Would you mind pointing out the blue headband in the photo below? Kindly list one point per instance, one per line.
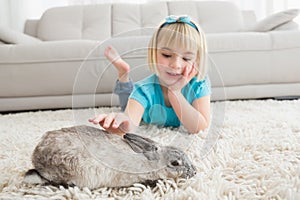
(182, 18)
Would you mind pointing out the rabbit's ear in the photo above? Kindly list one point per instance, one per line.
(143, 145)
(152, 155)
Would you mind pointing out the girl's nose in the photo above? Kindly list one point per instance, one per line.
(175, 62)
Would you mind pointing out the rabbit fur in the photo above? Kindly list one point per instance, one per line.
(90, 157)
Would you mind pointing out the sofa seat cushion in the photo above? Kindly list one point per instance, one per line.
(54, 51)
(10, 36)
(61, 68)
(285, 39)
(239, 41)
(47, 69)
(236, 59)
(285, 56)
(248, 58)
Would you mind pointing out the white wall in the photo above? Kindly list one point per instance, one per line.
(13, 13)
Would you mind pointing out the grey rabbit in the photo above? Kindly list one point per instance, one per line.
(90, 157)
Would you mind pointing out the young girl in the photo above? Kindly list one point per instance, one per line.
(178, 93)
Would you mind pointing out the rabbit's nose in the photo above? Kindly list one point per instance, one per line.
(192, 172)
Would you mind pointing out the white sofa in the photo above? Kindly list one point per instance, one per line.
(59, 63)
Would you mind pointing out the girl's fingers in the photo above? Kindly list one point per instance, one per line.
(193, 71)
(98, 119)
(108, 120)
(186, 71)
(120, 124)
(190, 72)
(116, 123)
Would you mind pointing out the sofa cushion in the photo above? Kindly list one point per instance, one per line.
(63, 67)
(31, 27)
(210, 14)
(290, 25)
(275, 20)
(101, 21)
(128, 19)
(76, 22)
(239, 41)
(9, 36)
(55, 51)
(285, 39)
(46, 69)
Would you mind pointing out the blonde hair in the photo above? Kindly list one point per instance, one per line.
(179, 33)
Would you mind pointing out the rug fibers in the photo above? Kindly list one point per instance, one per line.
(256, 154)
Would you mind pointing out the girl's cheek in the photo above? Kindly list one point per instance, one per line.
(162, 60)
(162, 63)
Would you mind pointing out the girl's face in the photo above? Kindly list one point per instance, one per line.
(171, 64)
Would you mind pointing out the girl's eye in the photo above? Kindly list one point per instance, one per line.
(187, 59)
(166, 55)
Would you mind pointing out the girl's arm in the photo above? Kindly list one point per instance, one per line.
(195, 117)
(121, 123)
(134, 110)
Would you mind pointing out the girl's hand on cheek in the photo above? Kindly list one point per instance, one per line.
(189, 72)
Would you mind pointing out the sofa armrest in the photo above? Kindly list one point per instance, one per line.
(10, 36)
(31, 26)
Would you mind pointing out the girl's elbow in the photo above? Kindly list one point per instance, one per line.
(199, 128)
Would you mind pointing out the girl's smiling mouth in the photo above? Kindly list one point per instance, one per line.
(174, 74)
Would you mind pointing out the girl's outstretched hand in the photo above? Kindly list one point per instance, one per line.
(118, 123)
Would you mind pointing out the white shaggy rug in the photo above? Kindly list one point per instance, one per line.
(256, 155)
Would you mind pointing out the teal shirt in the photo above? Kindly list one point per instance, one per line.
(149, 94)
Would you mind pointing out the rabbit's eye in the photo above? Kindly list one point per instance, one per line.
(175, 163)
